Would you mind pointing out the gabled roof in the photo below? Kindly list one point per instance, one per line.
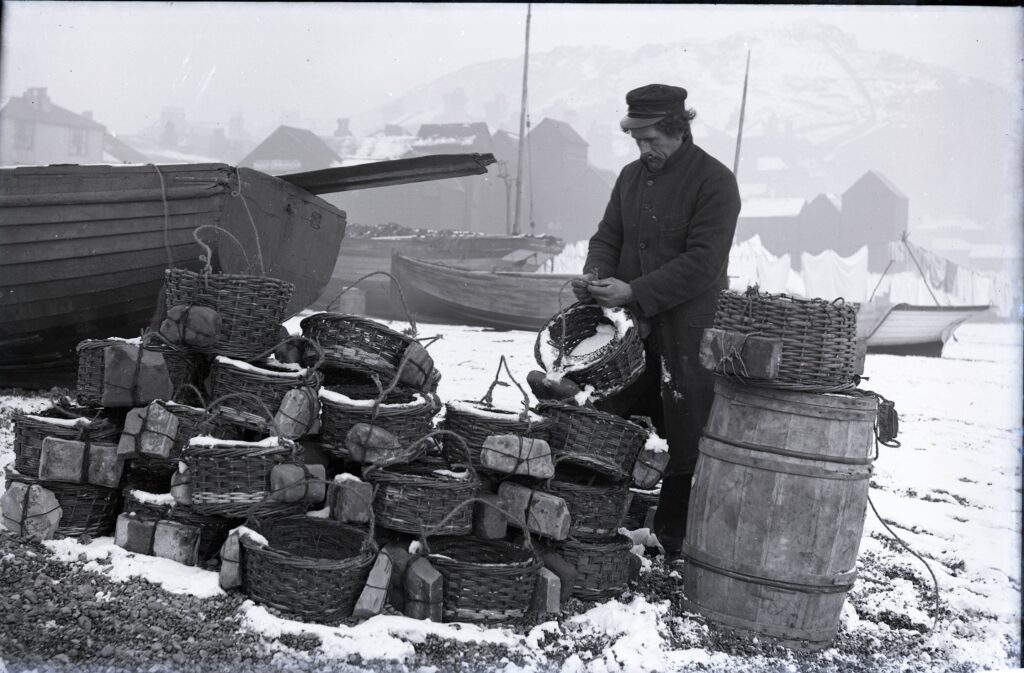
(44, 111)
(873, 175)
(562, 129)
(288, 142)
(771, 207)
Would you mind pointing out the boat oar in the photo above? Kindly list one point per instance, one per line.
(385, 173)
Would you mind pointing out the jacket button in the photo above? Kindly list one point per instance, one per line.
(647, 206)
(643, 246)
(650, 183)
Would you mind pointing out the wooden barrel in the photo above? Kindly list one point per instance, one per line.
(777, 511)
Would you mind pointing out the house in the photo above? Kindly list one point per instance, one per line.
(116, 151)
(35, 131)
(775, 220)
(874, 212)
(291, 150)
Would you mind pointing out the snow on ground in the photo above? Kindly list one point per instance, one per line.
(952, 492)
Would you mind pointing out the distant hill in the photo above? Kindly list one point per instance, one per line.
(829, 109)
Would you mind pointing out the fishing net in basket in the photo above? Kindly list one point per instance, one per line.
(594, 346)
(818, 338)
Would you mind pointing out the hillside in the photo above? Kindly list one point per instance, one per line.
(950, 142)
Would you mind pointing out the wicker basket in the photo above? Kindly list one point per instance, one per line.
(484, 580)
(187, 370)
(358, 344)
(818, 338)
(251, 308)
(597, 505)
(413, 498)
(232, 479)
(91, 366)
(638, 507)
(476, 421)
(595, 439)
(313, 568)
(250, 384)
(402, 412)
(85, 509)
(603, 569)
(213, 530)
(607, 369)
(31, 429)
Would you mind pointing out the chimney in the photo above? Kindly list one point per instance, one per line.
(38, 99)
(342, 131)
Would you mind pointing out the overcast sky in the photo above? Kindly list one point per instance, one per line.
(124, 61)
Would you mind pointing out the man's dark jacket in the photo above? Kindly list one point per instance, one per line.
(668, 234)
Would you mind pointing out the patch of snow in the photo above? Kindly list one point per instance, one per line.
(344, 400)
(249, 367)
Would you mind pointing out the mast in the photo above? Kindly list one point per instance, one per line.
(743, 107)
(522, 127)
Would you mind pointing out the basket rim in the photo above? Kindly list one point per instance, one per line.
(284, 556)
(270, 280)
(587, 412)
(330, 317)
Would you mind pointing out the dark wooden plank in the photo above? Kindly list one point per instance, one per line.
(395, 172)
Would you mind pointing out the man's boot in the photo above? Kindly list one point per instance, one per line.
(670, 517)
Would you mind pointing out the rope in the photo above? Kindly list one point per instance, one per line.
(163, 196)
(432, 530)
(401, 295)
(935, 581)
(487, 399)
(255, 231)
(207, 258)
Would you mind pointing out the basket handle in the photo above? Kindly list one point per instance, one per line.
(195, 391)
(369, 544)
(212, 411)
(432, 530)
(487, 399)
(207, 256)
(401, 295)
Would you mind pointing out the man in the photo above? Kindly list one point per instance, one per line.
(662, 250)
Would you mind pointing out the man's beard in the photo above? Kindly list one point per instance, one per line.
(653, 163)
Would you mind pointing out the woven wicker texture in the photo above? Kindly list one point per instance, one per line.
(594, 439)
(89, 385)
(408, 423)
(818, 338)
(642, 501)
(610, 368)
(476, 428)
(230, 481)
(131, 504)
(85, 509)
(251, 308)
(597, 505)
(314, 568)
(248, 386)
(484, 580)
(187, 370)
(603, 569)
(363, 345)
(29, 434)
(411, 497)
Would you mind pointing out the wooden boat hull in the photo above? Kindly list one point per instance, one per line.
(908, 329)
(362, 256)
(83, 249)
(502, 300)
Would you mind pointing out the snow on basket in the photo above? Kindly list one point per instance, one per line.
(403, 413)
(250, 384)
(593, 346)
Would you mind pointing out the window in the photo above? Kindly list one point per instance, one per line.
(24, 134)
(79, 143)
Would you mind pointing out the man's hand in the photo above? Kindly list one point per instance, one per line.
(580, 288)
(610, 292)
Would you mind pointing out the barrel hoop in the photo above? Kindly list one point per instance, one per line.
(861, 409)
(791, 637)
(806, 583)
(736, 455)
(764, 448)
